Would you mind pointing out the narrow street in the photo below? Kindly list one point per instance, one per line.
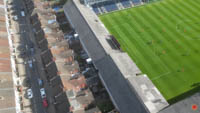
(32, 53)
(25, 31)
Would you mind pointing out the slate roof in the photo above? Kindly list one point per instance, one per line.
(184, 106)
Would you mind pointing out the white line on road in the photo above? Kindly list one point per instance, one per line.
(6, 88)
(7, 108)
(4, 58)
(2, 6)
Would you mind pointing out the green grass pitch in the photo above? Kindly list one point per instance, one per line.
(163, 39)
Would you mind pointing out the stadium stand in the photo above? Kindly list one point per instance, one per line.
(110, 6)
(100, 5)
(106, 6)
(125, 3)
(102, 9)
(136, 2)
(95, 9)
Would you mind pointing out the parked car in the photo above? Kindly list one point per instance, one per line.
(44, 102)
(89, 61)
(32, 51)
(42, 92)
(26, 82)
(29, 93)
(15, 18)
(30, 63)
(22, 13)
(40, 82)
(21, 55)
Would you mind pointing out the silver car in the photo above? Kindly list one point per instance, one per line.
(42, 92)
(29, 93)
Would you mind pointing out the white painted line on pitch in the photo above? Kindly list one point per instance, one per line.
(162, 75)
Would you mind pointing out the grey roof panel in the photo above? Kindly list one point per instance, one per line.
(125, 98)
(184, 106)
(88, 40)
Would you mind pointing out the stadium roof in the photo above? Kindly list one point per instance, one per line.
(124, 98)
(185, 106)
(122, 84)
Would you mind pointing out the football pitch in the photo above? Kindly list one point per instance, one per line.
(163, 39)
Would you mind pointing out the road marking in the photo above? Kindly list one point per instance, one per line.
(6, 88)
(4, 58)
(2, 6)
(7, 108)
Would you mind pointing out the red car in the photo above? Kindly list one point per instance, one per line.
(44, 102)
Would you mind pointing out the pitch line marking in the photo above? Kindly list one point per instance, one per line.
(160, 76)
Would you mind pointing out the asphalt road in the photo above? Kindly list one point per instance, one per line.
(32, 73)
